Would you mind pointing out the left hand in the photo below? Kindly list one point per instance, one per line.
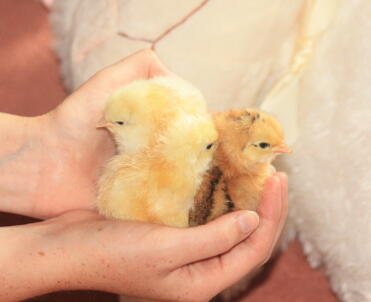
(58, 164)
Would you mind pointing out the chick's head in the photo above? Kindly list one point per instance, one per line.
(250, 137)
(139, 113)
(190, 142)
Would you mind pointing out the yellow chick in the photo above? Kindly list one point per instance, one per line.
(138, 113)
(248, 142)
(165, 140)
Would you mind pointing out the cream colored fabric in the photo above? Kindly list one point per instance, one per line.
(283, 98)
(123, 27)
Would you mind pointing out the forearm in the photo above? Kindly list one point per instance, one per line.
(29, 266)
(18, 170)
(74, 251)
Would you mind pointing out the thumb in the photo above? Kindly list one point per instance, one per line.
(216, 237)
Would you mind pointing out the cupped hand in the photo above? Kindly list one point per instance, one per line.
(71, 149)
(81, 250)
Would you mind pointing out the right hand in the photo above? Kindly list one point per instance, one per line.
(82, 250)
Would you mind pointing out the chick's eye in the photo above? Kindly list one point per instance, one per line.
(120, 123)
(264, 145)
(209, 146)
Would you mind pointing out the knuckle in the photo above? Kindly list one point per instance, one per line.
(198, 296)
(145, 55)
(187, 296)
(227, 239)
(103, 73)
(265, 258)
(198, 289)
(147, 52)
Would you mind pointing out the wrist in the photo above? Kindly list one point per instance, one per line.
(26, 269)
(35, 260)
(13, 132)
(20, 161)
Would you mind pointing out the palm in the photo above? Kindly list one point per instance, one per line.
(76, 148)
(72, 167)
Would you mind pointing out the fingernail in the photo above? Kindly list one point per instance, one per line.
(272, 169)
(248, 221)
(276, 177)
(282, 175)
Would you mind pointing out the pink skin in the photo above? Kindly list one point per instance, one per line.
(63, 150)
(47, 3)
(81, 250)
(49, 166)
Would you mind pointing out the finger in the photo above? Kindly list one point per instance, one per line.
(271, 212)
(284, 189)
(252, 252)
(143, 64)
(256, 249)
(284, 198)
(94, 93)
(75, 216)
(214, 238)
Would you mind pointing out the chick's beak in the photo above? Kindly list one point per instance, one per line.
(282, 148)
(104, 124)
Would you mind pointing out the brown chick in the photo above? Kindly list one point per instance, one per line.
(248, 142)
